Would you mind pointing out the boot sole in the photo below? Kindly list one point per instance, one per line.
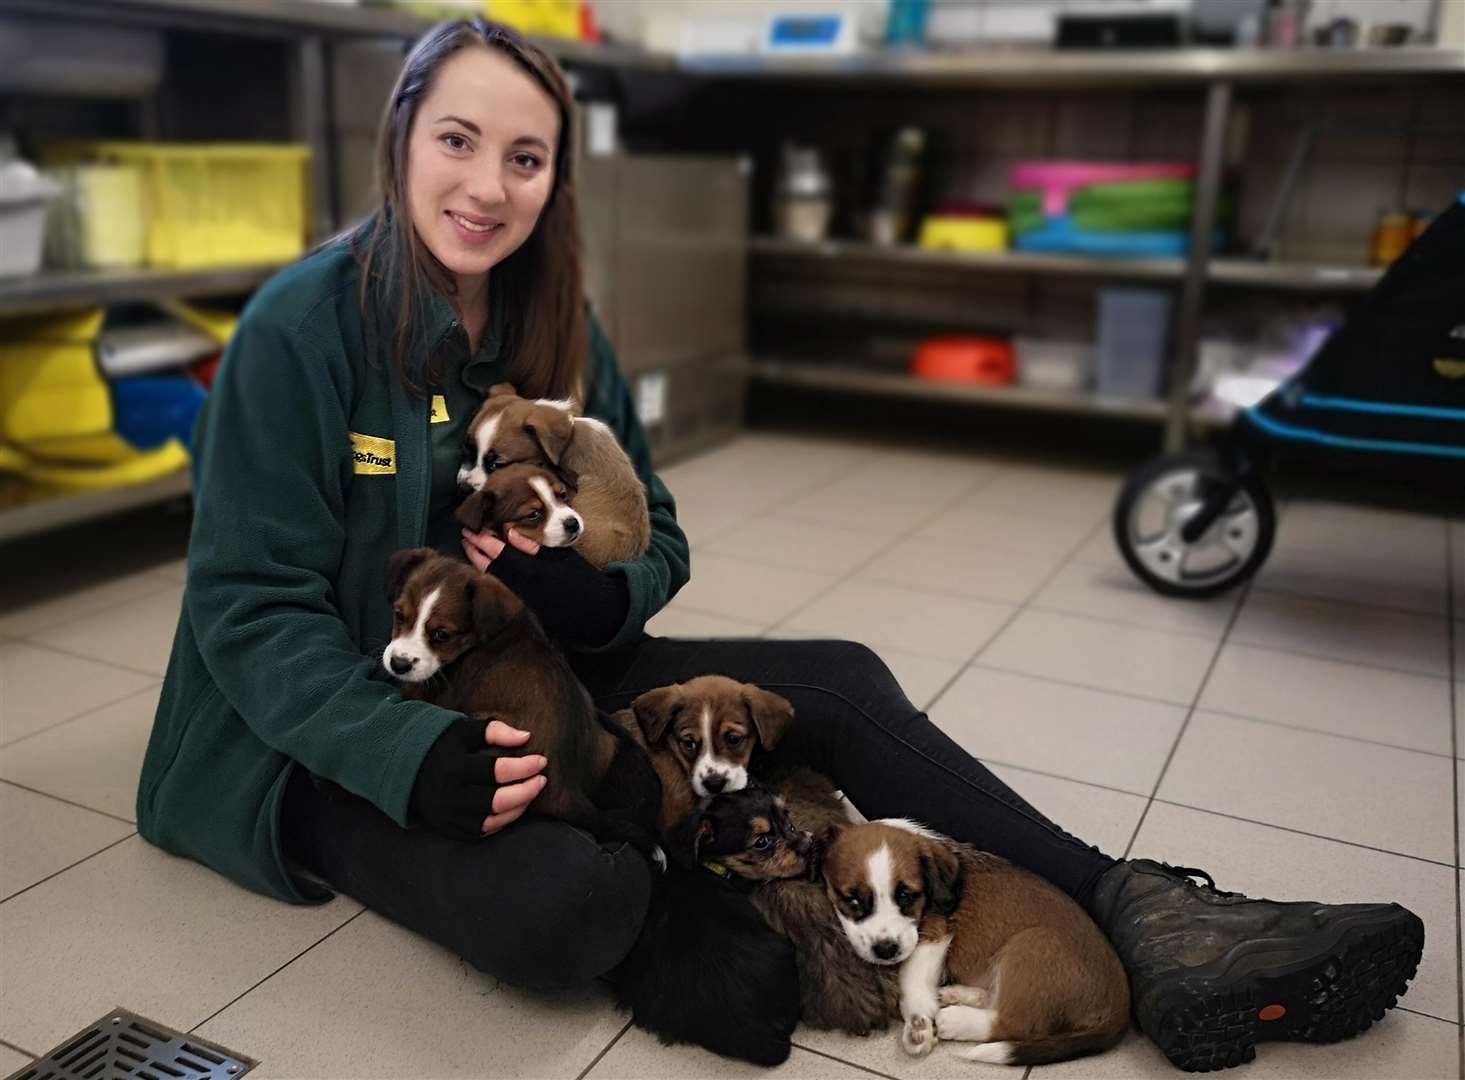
(1347, 977)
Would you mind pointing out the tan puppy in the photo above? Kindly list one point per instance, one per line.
(605, 490)
(1032, 978)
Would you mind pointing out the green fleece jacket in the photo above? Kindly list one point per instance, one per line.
(312, 465)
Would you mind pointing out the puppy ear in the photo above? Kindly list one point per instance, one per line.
(656, 709)
(551, 429)
(686, 837)
(476, 511)
(771, 715)
(401, 565)
(570, 477)
(944, 874)
(502, 389)
(492, 602)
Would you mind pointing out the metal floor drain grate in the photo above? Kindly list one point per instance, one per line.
(123, 1044)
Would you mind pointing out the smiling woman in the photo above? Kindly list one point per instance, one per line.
(475, 177)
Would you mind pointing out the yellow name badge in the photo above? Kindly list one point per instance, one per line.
(371, 456)
(439, 414)
(1450, 369)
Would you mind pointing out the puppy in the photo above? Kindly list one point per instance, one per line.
(464, 641)
(607, 493)
(701, 735)
(1033, 979)
(757, 836)
(707, 968)
(532, 500)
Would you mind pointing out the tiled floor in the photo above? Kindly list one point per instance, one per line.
(1299, 739)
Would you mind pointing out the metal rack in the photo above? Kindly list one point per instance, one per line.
(1218, 73)
(310, 28)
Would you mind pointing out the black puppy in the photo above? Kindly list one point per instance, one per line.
(706, 968)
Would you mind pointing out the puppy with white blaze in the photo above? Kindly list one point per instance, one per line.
(988, 952)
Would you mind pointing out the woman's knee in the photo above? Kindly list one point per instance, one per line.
(575, 911)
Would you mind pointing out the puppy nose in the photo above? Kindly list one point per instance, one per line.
(572, 526)
(885, 950)
(714, 782)
(401, 664)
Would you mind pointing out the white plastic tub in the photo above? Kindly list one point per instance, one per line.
(23, 197)
(1054, 365)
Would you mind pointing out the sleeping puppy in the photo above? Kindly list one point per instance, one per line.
(531, 500)
(701, 734)
(605, 490)
(464, 641)
(707, 968)
(757, 836)
(1032, 978)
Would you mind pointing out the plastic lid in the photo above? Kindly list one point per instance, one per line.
(20, 182)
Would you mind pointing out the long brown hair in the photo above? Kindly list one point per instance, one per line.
(539, 286)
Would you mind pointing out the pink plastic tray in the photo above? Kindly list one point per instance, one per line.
(1059, 179)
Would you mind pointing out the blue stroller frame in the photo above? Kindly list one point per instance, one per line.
(1389, 383)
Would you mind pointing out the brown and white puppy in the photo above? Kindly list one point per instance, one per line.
(701, 735)
(464, 641)
(532, 500)
(1032, 978)
(607, 493)
(764, 837)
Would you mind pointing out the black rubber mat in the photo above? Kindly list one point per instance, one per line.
(123, 1044)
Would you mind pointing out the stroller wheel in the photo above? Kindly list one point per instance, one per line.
(1158, 501)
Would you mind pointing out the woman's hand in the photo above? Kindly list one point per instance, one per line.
(520, 779)
(571, 597)
(483, 548)
(467, 786)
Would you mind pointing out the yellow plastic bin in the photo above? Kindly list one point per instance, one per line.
(213, 204)
(100, 220)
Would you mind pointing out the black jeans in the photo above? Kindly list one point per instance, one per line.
(541, 905)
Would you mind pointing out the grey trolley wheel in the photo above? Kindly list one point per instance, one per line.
(1158, 501)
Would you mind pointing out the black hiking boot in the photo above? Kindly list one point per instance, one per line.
(1213, 973)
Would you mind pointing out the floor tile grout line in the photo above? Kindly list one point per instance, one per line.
(1328, 734)
(1266, 645)
(843, 1061)
(973, 660)
(1427, 1015)
(33, 643)
(604, 1050)
(64, 869)
(79, 716)
(1393, 609)
(19, 1049)
(1452, 628)
(1219, 813)
(1195, 701)
(980, 665)
(314, 944)
(1132, 624)
(848, 576)
(90, 613)
(1189, 714)
(68, 802)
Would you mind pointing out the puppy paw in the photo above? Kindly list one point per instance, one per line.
(962, 1023)
(974, 996)
(919, 1036)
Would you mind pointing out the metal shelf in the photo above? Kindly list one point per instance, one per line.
(1037, 67)
(1234, 271)
(851, 379)
(275, 18)
(59, 290)
(39, 517)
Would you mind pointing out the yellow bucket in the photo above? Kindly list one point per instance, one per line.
(213, 204)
